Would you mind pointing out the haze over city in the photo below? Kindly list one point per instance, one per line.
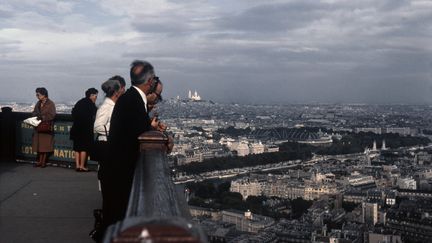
(230, 51)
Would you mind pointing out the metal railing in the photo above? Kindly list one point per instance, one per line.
(157, 211)
(16, 139)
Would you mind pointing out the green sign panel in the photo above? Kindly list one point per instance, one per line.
(62, 144)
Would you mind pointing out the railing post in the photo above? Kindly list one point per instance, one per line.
(7, 139)
(156, 212)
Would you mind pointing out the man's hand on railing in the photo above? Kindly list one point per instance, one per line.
(162, 127)
(154, 123)
(158, 125)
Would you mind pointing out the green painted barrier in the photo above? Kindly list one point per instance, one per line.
(62, 144)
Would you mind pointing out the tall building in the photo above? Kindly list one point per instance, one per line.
(369, 213)
(412, 220)
(247, 187)
(246, 221)
(194, 97)
(381, 238)
(407, 183)
(361, 182)
(257, 148)
(315, 191)
(383, 147)
(404, 131)
(376, 130)
(243, 149)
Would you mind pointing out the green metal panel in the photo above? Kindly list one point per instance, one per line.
(62, 144)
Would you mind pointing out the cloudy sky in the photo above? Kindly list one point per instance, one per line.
(247, 51)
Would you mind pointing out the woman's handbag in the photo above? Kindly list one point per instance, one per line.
(99, 150)
(45, 127)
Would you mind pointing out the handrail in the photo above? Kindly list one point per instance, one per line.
(16, 139)
(156, 211)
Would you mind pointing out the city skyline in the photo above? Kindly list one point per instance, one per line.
(262, 173)
(277, 52)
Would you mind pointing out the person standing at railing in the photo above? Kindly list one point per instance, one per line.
(113, 89)
(43, 142)
(154, 97)
(129, 120)
(81, 133)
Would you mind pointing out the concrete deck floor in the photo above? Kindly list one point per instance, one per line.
(51, 204)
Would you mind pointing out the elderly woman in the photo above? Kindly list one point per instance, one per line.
(81, 133)
(43, 143)
(113, 89)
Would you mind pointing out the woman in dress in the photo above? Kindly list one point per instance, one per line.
(113, 89)
(43, 143)
(81, 133)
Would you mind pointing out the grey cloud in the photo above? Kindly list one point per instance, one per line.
(276, 17)
(391, 5)
(165, 27)
(297, 51)
(171, 24)
(419, 26)
(30, 21)
(7, 47)
(41, 6)
(5, 14)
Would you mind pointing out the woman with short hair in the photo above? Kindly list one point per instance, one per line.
(113, 90)
(43, 142)
(81, 133)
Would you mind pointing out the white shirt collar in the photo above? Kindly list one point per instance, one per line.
(143, 96)
(109, 101)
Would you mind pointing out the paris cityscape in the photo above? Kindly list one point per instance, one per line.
(301, 172)
(303, 121)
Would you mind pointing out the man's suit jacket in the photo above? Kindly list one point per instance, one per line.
(129, 120)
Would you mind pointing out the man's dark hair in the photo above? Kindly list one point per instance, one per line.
(120, 79)
(90, 92)
(42, 91)
(141, 72)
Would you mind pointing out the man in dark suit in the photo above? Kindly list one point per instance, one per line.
(129, 120)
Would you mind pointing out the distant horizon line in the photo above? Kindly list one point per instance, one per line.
(254, 103)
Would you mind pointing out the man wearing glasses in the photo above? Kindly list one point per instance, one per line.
(153, 98)
(130, 118)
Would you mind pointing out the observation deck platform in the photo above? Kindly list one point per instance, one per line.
(51, 204)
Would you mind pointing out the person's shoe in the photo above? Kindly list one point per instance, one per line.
(37, 165)
(43, 166)
(84, 170)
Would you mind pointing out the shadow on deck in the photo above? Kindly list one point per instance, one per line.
(51, 204)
